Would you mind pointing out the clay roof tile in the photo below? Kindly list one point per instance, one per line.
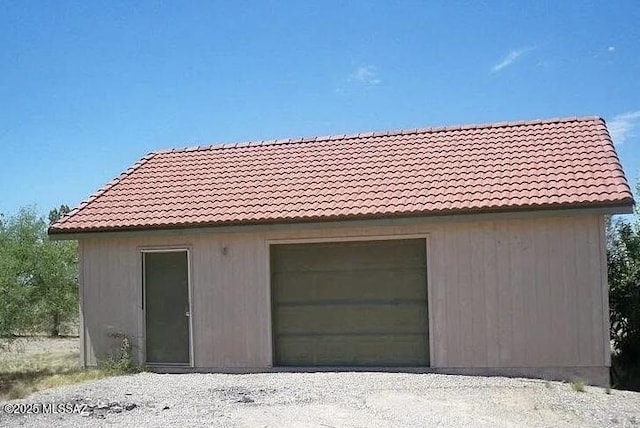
(538, 164)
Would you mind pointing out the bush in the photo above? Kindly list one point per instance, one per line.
(578, 385)
(623, 262)
(121, 361)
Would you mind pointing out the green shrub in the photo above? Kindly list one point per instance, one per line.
(121, 361)
(623, 262)
(578, 385)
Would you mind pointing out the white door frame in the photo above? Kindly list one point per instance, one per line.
(142, 296)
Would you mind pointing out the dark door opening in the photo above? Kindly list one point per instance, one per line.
(166, 307)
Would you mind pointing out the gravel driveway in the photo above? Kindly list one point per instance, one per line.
(329, 400)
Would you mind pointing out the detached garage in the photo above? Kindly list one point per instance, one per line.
(470, 249)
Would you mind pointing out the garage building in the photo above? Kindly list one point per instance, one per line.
(470, 249)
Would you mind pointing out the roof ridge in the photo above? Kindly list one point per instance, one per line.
(103, 189)
(369, 134)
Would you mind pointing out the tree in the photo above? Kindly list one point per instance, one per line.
(623, 263)
(57, 213)
(38, 282)
(19, 240)
(58, 291)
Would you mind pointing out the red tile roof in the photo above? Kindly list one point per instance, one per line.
(558, 163)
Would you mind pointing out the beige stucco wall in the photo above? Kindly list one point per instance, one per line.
(503, 292)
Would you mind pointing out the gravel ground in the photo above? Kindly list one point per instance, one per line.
(329, 400)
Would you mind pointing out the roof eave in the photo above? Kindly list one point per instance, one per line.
(623, 207)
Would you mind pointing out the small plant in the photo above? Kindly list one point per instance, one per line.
(547, 384)
(121, 362)
(578, 385)
(607, 390)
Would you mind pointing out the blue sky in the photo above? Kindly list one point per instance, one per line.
(87, 88)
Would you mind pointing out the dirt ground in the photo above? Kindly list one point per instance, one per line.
(30, 364)
(32, 346)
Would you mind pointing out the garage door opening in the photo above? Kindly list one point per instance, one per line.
(356, 303)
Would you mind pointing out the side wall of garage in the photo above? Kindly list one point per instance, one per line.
(507, 292)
